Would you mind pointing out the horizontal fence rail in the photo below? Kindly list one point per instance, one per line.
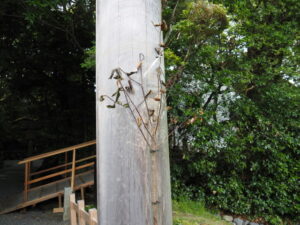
(58, 151)
(78, 214)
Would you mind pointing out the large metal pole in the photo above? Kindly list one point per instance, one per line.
(133, 176)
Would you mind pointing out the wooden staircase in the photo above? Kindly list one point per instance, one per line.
(42, 185)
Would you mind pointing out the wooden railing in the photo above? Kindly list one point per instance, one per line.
(78, 214)
(66, 171)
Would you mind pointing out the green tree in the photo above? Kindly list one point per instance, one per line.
(47, 98)
(235, 109)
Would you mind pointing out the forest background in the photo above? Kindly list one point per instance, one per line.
(232, 71)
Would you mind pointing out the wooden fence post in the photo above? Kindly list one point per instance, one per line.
(67, 195)
(80, 212)
(79, 215)
(27, 172)
(73, 170)
(73, 210)
(93, 216)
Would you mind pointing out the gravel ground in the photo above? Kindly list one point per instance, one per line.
(33, 217)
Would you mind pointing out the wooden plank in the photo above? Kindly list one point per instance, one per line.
(59, 151)
(93, 216)
(58, 210)
(28, 203)
(35, 201)
(81, 212)
(73, 210)
(86, 216)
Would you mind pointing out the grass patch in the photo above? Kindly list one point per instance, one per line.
(186, 212)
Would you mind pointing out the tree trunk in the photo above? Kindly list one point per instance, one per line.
(132, 137)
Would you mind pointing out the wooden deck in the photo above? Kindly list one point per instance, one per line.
(45, 192)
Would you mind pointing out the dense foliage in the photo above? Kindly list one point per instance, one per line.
(46, 97)
(236, 105)
(233, 85)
